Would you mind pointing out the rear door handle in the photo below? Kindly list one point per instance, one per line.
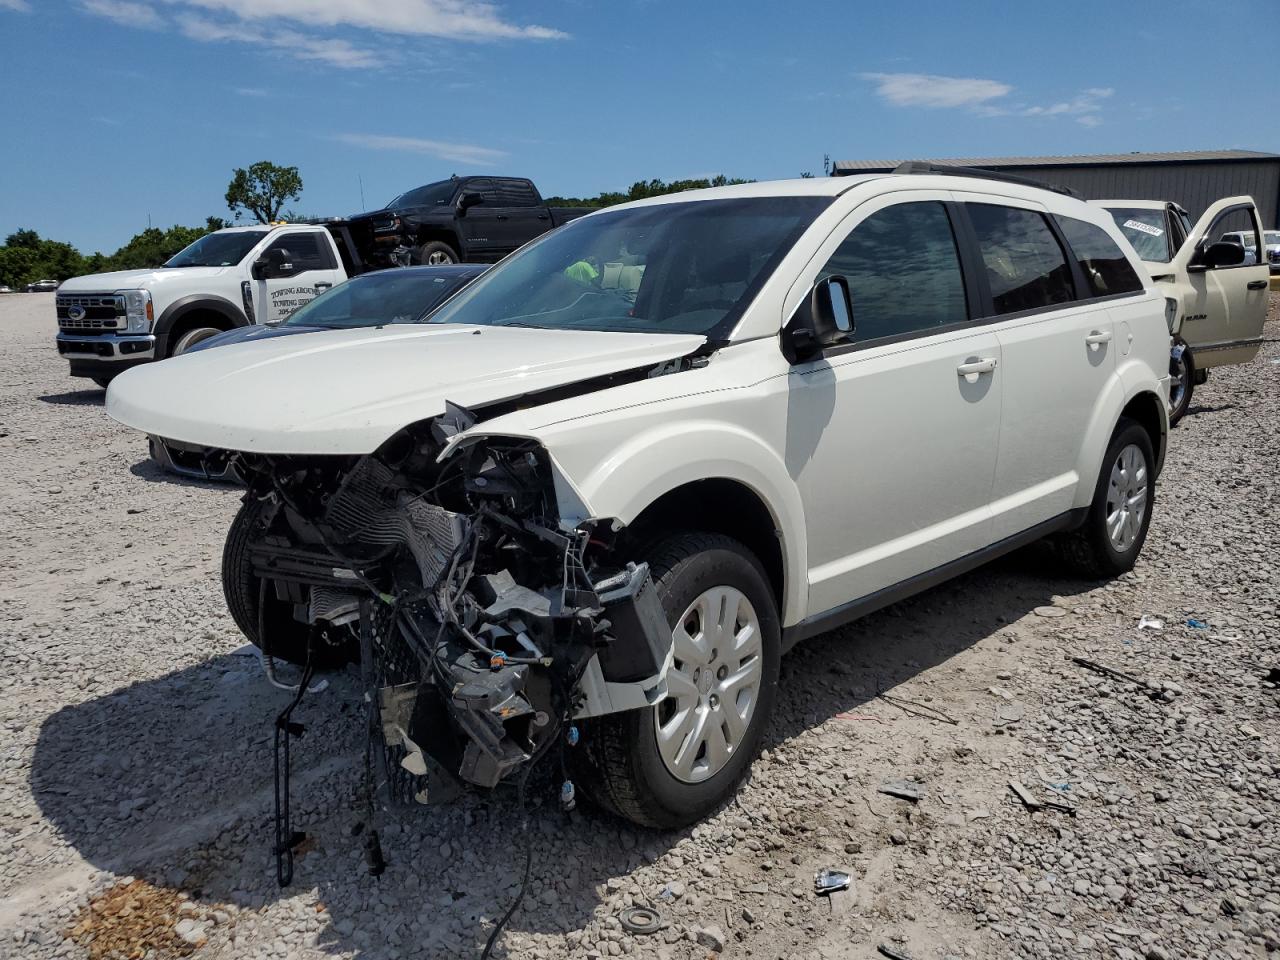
(1257, 285)
(972, 369)
(1098, 337)
(501, 216)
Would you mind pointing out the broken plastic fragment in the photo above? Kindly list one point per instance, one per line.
(1150, 623)
(826, 882)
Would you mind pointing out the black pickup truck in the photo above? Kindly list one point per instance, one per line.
(463, 219)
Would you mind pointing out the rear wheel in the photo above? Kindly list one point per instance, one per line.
(1182, 374)
(1109, 541)
(286, 636)
(672, 764)
(436, 254)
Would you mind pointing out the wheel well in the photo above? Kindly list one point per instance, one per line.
(193, 319)
(439, 236)
(717, 506)
(1145, 410)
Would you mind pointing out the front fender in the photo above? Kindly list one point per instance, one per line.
(625, 479)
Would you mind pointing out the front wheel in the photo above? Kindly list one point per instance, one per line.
(436, 254)
(671, 765)
(285, 637)
(1182, 381)
(189, 338)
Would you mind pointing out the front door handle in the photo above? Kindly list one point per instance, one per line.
(501, 216)
(1098, 337)
(972, 369)
(1257, 285)
(323, 285)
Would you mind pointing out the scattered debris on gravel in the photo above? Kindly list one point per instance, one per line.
(135, 778)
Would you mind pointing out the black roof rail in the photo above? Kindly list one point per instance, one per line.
(943, 170)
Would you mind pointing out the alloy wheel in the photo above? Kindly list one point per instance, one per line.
(1126, 498)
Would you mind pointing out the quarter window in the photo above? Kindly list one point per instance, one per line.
(1105, 267)
(903, 271)
(1026, 268)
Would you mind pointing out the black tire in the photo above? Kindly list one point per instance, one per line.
(441, 252)
(1090, 550)
(103, 382)
(1182, 383)
(242, 589)
(619, 763)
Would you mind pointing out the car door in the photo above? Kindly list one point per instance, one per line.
(486, 226)
(893, 437)
(526, 215)
(1045, 296)
(1222, 308)
(300, 265)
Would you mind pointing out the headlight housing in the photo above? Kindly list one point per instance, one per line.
(139, 310)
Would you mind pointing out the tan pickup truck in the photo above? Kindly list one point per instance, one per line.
(1221, 296)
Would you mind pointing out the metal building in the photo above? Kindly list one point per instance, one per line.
(1193, 179)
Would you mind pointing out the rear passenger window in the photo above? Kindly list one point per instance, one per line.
(1105, 267)
(903, 271)
(1025, 265)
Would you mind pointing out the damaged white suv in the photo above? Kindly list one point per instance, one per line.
(588, 504)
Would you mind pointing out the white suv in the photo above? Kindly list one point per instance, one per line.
(590, 502)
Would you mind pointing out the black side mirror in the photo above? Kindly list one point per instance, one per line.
(468, 200)
(1224, 253)
(274, 263)
(823, 319)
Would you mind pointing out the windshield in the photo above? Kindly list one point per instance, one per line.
(1273, 236)
(1145, 229)
(682, 267)
(217, 249)
(389, 296)
(432, 195)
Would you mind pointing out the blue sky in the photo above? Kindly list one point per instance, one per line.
(116, 110)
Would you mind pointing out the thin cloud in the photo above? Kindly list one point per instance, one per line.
(929, 90)
(251, 91)
(986, 98)
(457, 152)
(451, 19)
(17, 6)
(125, 12)
(334, 52)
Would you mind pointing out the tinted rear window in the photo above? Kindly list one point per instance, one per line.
(1026, 268)
(1105, 267)
(1146, 230)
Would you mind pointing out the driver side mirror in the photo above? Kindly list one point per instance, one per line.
(823, 319)
(468, 200)
(1224, 253)
(273, 263)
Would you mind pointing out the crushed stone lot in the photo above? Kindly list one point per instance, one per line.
(136, 781)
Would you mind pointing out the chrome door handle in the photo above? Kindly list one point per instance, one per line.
(971, 369)
(1256, 285)
(1098, 337)
(323, 285)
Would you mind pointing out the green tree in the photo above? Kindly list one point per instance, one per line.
(263, 190)
(26, 256)
(642, 189)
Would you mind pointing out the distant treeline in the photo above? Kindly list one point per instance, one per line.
(642, 189)
(26, 256)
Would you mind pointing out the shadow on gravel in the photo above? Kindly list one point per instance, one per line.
(93, 397)
(170, 779)
(147, 469)
(1203, 408)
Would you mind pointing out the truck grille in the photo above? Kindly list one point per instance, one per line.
(94, 312)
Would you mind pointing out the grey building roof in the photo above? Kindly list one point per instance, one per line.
(1094, 160)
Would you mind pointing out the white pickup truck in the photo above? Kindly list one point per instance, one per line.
(108, 322)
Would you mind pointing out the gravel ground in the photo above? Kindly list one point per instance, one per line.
(135, 788)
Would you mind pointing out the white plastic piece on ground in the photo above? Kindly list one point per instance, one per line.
(1150, 623)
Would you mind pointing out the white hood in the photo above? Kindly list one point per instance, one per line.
(346, 391)
(136, 279)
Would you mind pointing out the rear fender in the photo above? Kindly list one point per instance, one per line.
(1132, 378)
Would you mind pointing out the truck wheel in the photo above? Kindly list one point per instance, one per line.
(436, 254)
(189, 338)
(242, 589)
(1109, 541)
(672, 764)
(1182, 373)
